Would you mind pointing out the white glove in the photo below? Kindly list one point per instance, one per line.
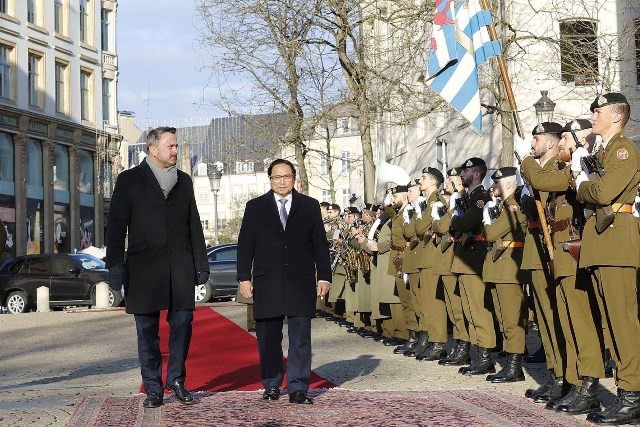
(388, 200)
(519, 180)
(434, 210)
(417, 207)
(582, 177)
(405, 215)
(452, 200)
(634, 210)
(525, 192)
(576, 157)
(486, 218)
(522, 147)
(405, 278)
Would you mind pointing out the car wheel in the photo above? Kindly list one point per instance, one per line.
(203, 293)
(18, 302)
(115, 298)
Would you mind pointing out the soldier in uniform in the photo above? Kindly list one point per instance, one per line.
(578, 315)
(544, 149)
(433, 306)
(611, 244)
(470, 249)
(504, 228)
(442, 260)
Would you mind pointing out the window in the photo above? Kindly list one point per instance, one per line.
(346, 161)
(226, 254)
(202, 169)
(106, 17)
(579, 52)
(4, 6)
(106, 100)
(236, 193)
(31, 11)
(246, 167)
(346, 195)
(324, 164)
(61, 168)
(344, 125)
(62, 96)
(58, 16)
(7, 71)
(326, 196)
(36, 79)
(86, 34)
(61, 265)
(203, 196)
(86, 95)
(637, 24)
(38, 266)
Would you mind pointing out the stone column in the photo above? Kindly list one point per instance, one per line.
(98, 193)
(48, 161)
(74, 198)
(20, 178)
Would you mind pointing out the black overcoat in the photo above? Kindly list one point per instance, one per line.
(166, 244)
(284, 264)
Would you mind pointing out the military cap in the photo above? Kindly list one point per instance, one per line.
(473, 162)
(547, 127)
(608, 99)
(454, 172)
(413, 183)
(375, 208)
(325, 204)
(368, 206)
(504, 172)
(434, 173)
(353, 210)
(577, 125)
(334, 207)
(399, 189)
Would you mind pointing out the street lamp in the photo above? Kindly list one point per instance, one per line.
(215, 175)
(544, 107)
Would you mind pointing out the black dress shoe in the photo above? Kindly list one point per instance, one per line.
(271, 393)
(181, 393)
(300, 397)
(153, 400)
(624, 410)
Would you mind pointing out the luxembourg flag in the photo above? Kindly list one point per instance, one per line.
(459, 44)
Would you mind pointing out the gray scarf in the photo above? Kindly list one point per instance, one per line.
(167, 178)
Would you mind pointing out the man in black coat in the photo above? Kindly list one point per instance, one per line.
(283, 262)
(165, 259)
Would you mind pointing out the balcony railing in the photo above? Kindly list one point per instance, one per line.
(109, 59)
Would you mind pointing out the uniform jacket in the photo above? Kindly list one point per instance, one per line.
(410, 263)
(423, 226)
(469, 255)
(397, 239)
(284, 264)
(385, 283)
(557, 181)
(510, 226)
(619, 244)
(166, 244)
(442, 261)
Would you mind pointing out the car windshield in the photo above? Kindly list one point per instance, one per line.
(88, 262)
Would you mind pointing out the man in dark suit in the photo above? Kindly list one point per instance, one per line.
(166, 257)
(283, 262)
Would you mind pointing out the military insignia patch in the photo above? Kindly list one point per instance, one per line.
(575, 125)
(480, 204)
(602, 100)
(469, 163)
(539, 128)
(498, 174)
(622, 154)
(513, 208)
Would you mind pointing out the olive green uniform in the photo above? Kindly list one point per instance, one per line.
(613, 255)
(469, 253)
(383, 282)
(577, 311)
(502, 270)
(398, 245)
(410, 267)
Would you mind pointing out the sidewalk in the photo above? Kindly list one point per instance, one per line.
(49, 361)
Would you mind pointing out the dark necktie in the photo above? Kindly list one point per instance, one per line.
(283, 212)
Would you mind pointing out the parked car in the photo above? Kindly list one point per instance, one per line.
(71, 278)
(222, 274)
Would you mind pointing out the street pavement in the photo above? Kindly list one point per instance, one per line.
(49, 361)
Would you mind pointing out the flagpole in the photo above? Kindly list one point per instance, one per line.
(542, 219)
(505, 76)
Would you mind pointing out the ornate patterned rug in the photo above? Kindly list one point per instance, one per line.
(332, 407)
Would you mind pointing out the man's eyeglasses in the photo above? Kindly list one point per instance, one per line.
(286, 178)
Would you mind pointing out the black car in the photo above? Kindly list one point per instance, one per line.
(222, 278)
(71, 279)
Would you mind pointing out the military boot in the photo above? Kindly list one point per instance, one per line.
(512, 371)
(421, 345)
(556, 393)
(537, 357)
(584, 399)
(624, 410)
(483, 364)
(436, 351)
(411, 342)
(531, 393)
(461, 355)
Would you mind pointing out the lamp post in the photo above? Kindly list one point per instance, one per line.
(544, 107)
(215, 175)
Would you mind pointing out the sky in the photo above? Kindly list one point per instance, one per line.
(159, 60)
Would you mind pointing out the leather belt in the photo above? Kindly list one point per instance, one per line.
(622, 208)
(512, 244)
(561, 225)
(475, 237)
(533, 224)
(396, 248)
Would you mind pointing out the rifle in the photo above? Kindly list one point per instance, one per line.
(542, 220)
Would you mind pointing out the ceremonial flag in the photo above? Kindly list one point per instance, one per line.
(459, 44)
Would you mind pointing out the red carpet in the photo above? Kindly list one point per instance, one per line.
(222, 356)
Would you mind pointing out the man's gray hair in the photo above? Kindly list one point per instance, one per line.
(154, 135)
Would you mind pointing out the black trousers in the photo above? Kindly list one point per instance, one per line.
(269, 333)
(147, 326)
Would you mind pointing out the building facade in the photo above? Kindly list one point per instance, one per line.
(58, 122)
